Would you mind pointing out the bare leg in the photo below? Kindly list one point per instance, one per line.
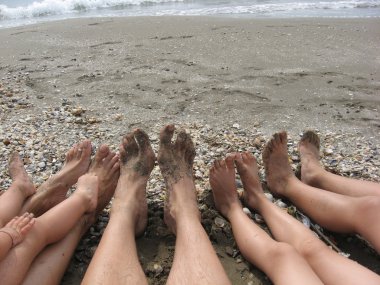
(280, 261)
(49, 228)
(115, 260)
(50, 265)
(350, 214)
(54, 190)
(195, 261)
(331, 267)
(22, 187)
(313, 174)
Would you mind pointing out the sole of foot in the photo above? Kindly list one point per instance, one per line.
(136, 163)
(308, 148)
(276, 163)
(20, 178)
(247, 168)
(222, 181)
(175, 160)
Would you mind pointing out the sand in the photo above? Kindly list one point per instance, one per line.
(266, 74)
(276, 74)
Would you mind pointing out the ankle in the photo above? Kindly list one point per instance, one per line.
(232, 209)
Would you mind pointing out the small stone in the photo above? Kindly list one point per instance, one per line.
(6, 141)
(229, 251)
(236, 126)
(41, 165)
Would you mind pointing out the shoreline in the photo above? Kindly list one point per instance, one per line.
(230, 82)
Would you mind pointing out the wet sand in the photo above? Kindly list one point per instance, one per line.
(99, 78)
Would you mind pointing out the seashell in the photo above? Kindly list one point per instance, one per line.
(280, 204)
(247, 212)
(269, 196)
(259, 219)
(219, 222)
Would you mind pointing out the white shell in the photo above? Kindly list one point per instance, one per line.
(269, 196)
(280, 204)
(248, 212)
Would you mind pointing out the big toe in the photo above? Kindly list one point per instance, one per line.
(142, 139)
(166, 134)
(129, 145)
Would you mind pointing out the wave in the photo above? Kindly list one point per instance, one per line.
(120, 7)
(61, 7)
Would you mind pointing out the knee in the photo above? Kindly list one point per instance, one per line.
(282, 251)
(310, 247)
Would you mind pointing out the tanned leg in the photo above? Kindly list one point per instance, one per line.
(331, 267)
(333, 211)
(54, 190)
(313, 174)
(49, 228)
(280, 261)
(21, 188)
(50, 265)
(115, 260)
(195, 261)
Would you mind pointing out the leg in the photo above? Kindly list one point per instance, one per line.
(50, 265)
(54, 190)
(351, 214)
(115, 260)
(279, 261)
(22, 187)
(49, 228)
(195, 261)
(313, 174)
(331, 267)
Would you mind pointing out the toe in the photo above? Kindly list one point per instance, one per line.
(190, 149)
(180, 143)
(142, 139)
(230, 161)
(102, 152)
(166, 135)
(108, 158)
(130, 145)
(283, 137)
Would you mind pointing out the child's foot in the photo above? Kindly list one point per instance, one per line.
(54, 190)
(136, 163)
(247, 168)
(222, 180)
(309, 152)
(20, 179)
(87, 189)
(276, 162)
(176, 164)
(105, 166)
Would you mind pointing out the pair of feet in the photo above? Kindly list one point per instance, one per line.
(277, 169)
(96, 179)
(137, 159)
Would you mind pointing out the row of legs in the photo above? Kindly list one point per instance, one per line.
(293, 256)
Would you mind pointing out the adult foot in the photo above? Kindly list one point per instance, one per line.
(176, 164)
(249, 173)
(87, 189)
(20, 179)
(222, 181)
(54, 190)
(277, 168)
(105, 166)
(308, 148)
(136, 163)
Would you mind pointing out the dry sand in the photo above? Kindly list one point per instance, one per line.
(259, 74)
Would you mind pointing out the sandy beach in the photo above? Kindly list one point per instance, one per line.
(230, 82)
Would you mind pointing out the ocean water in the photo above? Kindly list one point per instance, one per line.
(23, 12)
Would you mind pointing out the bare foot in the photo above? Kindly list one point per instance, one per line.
(54, 190)
(176, 164)
(87, 189)
(105, 166)
(136, 163)
(309, 153)
(20, 178)
(247, 168)
(276, 162)
(222, 180)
